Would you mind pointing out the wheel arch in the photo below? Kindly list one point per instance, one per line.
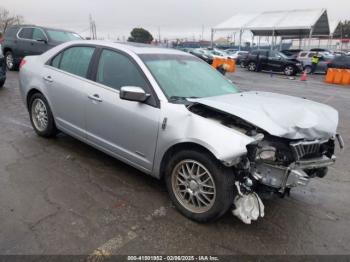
(177, 148)
(7, 49)
(30, 94)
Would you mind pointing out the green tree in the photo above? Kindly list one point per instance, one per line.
(140, 35)
(343, 29)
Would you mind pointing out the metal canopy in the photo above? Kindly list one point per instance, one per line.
(280, 23)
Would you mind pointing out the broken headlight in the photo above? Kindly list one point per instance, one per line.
(266, 154)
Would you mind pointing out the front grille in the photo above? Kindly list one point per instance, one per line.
(306, 148)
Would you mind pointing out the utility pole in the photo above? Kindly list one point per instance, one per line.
(93, 33)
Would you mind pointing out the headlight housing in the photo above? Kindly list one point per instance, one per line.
(266, 154)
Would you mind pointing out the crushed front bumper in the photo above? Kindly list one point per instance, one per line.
(281, 177)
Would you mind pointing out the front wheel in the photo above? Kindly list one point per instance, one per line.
(252, 66)
(289, 70)
(41, 116)
(200, 187)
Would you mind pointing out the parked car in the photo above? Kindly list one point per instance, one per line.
(272, 61)
(305, 58)
(2, 69)
(342, 62)
(231, 51)
(239, 56)
(24, 40)
(202, 54)
(172, 116)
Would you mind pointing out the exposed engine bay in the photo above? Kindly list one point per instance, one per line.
(272, 165)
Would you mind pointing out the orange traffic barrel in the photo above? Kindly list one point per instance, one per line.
(231, 65)
(330, 75)
(215, 63)
(346, 77)
(338, 76)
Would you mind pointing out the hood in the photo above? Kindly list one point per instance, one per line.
(279, 115)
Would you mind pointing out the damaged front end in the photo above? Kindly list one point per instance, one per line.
(276, 165)
(273, 164)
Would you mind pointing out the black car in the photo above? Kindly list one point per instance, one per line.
(342, 62)
(2, 70)
(24, 40)
(259, 60)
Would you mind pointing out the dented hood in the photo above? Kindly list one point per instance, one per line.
(279, 115)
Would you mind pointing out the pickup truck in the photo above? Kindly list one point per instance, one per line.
(267, 60)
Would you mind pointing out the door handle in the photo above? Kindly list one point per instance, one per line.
(48, 79)
(95, 97)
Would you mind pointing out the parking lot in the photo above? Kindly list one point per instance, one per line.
(60, 196)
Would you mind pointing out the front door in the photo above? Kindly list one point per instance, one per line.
(126, 129)
(275, 61)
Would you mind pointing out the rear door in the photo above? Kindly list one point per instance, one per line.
(25, 40)
(67, 84)
(126, 129)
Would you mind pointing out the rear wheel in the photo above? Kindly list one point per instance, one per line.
(252, 66)
(41, 116)
(289, 70)
(200, 187)
(2, 83)
(10, 61)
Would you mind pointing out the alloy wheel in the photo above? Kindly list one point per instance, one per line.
(193, 186)
(252, 66)
(9, 61)
(39, 115)
(289, 70)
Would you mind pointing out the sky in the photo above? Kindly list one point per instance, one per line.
(171, 18)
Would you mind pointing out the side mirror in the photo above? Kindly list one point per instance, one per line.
(133, 93)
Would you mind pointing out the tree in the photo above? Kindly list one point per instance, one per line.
(7, 19)
(140, 35)
(343, 29)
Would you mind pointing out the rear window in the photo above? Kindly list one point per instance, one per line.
(75, 60)
(26, 33)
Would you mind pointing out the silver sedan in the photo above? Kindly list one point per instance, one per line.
(172, 116)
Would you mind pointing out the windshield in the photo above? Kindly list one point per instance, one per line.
(62, 36)
(282, 55)
(182, 76)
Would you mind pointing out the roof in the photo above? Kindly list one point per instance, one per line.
(132, 47)
(333, 26)
(282, 23)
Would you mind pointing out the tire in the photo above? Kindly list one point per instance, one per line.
(2, 83)
(308, 69)
(10, 61)
(242, 64)
(41, 116)
(218, 186)
(289, 70)
(252, 66)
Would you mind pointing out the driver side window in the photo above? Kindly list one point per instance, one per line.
(38, 34)
(115, 70)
